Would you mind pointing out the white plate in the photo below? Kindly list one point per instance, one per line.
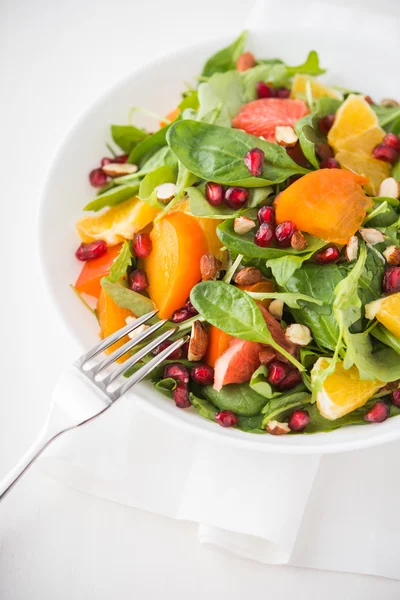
(157, 87)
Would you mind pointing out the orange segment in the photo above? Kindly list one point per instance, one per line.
(328, 203)
(111, 318)
(318, 89)
(387, 312)
(218, 342)
(352, 118)
(89, 278)
(373, 170)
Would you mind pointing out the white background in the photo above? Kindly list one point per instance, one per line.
(55, 59)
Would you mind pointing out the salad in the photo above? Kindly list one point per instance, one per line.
(262, 218)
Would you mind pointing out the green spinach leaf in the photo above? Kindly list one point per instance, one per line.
(146, 148)
(204, 407)
(280, 408)
(121, 263)
(201, 208)
(283, 268)
(259, 383)
(127, 136)
(225, 59)
(138, 304)
(238, 397)
(291, 300)
(114, 196)
(251, 424)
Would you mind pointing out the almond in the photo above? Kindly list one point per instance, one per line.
(209, 266)
(392, 255)
(298, 334)
(245, 61)
(371, 236)
(286, 136)
(165, 192)
(242, 225)
(352, 248)
(389, 103)
(267, 355)
(248, 276)
(198, 342)
(276, 428)
(390, 188)
(119, 169)
(298, 241)
(276, 309)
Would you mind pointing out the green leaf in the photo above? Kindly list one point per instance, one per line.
(309, 67)
(82, 299)
(238, 397)
(259, 383)
(216, 154)
(283, 268)
(223, 92)
(386, 337)
(201, 208)
(145, 149)
(275, 74)
(387, 116)
(190, 100)
(112, 197)
(166, 386)
(279, 408)
(138, 304)
(383, 215)
(127, 136)
(225, 59)
(396, 169)
(251, 424)
(121, 263)
(205, 408)
(291, 300)
(147, 192)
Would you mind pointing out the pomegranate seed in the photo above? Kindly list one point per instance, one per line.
(142, 245)
(298, 420)
(277, 371)
(329, 163)
(264, 235)
(385, 153)
(326, 123)
(190, 308)
(369, 100)
(265, 91)
(282, 92)
(175, 355)
(324, 151)
(291, 380)
(181, 395)
(378, 413)
(122, 158)
(284, 233)
(202, 374)
(391, 280)
(393, 141)
(138, 281)
(226, 418)
(92, 250)
(266, 214)
(215, 193)
(176, 371)
(180, 315)
(395, 396)
(329, 255)
(236, 197)
(254, 161)
(105, 161)
(98, 178)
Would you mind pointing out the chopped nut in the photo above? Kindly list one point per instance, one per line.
(286, 136)
(119, 169)
(165, 192)
(352, 248)
(248, 276)
(298, 241)
(276, 309)
(371, 236)
(298, 334)
(245, 61)
(392, 255)
(198, 342)
(276, 428)
(136, 331)
(390, 188)
(209, 266)
(389, 103)
(243, 225)
(266, 355)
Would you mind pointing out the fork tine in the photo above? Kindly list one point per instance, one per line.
(148, 367)
(126, 347)
(114, 337)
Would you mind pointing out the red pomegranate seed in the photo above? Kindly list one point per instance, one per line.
(298, 420)
(105, 161)
(282, 92)
(122, 158)
(181, 395)
(277, 371)
(202, 374)
(215, 193)
(284, 233)
(391, 280)
(326, 123)
(98, 178)
(175, 355)
(176, 371)
(236, 197)
(385, 153)
(369, 100)
(180, 315)
(329, 255)
(190, 308)
(265, 91)
(266, 214)
(395, 396)
(329, 163)
(324, 151)
(142, 245)
(291, 380)
(254, 161)
(138, 281)
(264, 235)
(393, 141)
(92, 250)
(226, 418)
(378, 413)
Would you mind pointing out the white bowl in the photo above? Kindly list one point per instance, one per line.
(158, 87)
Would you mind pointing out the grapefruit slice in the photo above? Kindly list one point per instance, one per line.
(237, 364)
(318, 89)
(261, 117)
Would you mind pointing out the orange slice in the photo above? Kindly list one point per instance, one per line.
(375, 171)
(318, 89)
(387, 312)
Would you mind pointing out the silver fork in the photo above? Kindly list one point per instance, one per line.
(82, 394)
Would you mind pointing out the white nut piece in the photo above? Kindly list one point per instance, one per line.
(390, 188)
(286, 136)
(119, 169)
(165, 192)
(298, 334)
(352, 248)
(371, 236)
(392, 255)
(277, 428)
(276, 309)
(136, 331)
(243, 225)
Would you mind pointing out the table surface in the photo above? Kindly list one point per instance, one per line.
(56, 58)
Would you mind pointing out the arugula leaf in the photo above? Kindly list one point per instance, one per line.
(308, 130)
(138, 304)
(190, 100)
(275, 73)
(205, 408)
(216, 154)
(291, 300)
(201, 208)
(121, 263)
(309, 67)
(387, 116)
(259, 383)
(127, 136)
(386, 337)
(112, 197)
(283, 268)
(383, 215)
(223, 92)
(145, 149)
(238, 397)
(225, 59)
(280, 408)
